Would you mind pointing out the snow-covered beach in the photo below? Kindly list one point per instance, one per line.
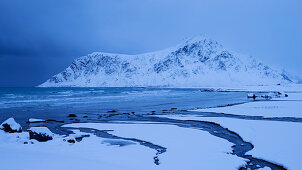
(169, 139)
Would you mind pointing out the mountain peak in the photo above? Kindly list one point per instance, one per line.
(195, 62)
(197, 39)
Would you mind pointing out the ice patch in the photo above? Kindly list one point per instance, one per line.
(33, 120)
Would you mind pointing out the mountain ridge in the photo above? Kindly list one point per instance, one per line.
(195, 62)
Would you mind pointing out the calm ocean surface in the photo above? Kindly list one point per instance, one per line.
(24, 103)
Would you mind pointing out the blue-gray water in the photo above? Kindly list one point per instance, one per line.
(24, 103)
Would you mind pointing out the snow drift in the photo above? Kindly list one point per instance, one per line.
(194, 63)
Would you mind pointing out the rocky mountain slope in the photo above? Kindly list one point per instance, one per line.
(194, 63)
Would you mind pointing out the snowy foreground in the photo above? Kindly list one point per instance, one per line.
(186, 149)
(276, 141)
(277, 107)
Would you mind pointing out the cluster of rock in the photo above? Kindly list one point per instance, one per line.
(267, 96)
(40, 134)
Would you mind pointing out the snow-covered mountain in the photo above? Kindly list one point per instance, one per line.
(194, 63)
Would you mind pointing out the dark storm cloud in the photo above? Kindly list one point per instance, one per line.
(40, 38)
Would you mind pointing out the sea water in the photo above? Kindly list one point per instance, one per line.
(24, 103)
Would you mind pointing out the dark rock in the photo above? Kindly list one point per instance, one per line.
(85, 116)
(71, 141)
(111, 111)
(286, 95)
(79, 139)
(207, 90)
(39, 137)
(6, 127)
(53, 120)
(50, 120)
(41, 134)
(11, 126)
(110, 115)
(267, 97)
(72, 115)
(252, 95)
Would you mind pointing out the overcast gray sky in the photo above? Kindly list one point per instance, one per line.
(40, 38)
